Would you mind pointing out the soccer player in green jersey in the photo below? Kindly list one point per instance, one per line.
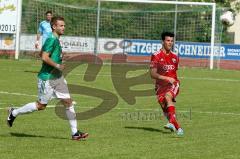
(51, 83)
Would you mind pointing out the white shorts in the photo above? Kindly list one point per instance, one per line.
(55, 88)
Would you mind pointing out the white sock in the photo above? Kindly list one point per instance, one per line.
(28, 108)
(71, 115)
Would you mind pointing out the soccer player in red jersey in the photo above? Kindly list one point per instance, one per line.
(163, 68)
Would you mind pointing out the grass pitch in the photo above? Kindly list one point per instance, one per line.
(208, 110)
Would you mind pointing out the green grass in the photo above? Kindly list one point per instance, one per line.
(213, 131)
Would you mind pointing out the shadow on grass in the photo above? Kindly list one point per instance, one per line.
(24, 135)
(147, 129)
(29, 71)
(35, 136)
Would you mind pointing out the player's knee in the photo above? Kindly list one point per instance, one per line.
(168, 97)
(67, 102)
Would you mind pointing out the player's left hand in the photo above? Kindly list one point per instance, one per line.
(60, 67)
(171, 80)
(37, 45)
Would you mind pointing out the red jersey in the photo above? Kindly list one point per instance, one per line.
(166, 64)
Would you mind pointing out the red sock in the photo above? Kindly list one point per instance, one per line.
(172, 116)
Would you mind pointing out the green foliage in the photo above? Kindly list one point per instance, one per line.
(82, 15)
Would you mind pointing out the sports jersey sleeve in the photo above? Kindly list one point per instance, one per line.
(40, 28)
(48, 45)
(154, 61)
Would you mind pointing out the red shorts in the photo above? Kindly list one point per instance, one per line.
(161, 91)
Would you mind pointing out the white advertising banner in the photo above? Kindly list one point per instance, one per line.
(27, 42)
(110, 46)
(8, 16)
(71, 44)
(77, 44)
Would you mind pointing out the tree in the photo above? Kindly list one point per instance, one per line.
(233, 4)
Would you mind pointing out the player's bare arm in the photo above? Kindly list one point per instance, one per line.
(49, 61)
(157, 76)
(37, 41)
